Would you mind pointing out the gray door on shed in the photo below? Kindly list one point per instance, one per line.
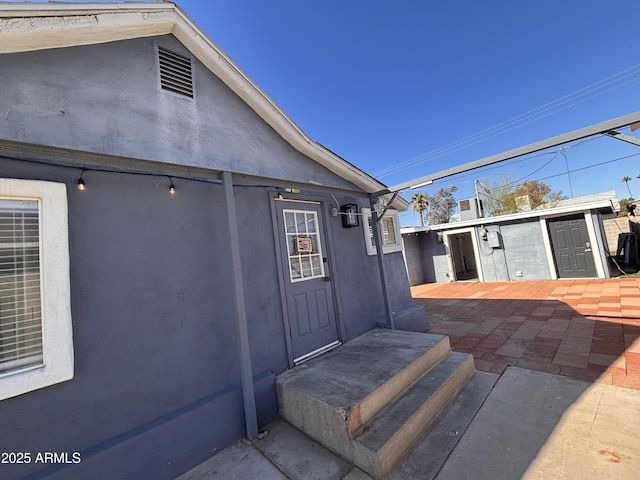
(571, 245)
(310, 308)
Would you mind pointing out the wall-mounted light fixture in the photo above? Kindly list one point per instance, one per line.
(81, 185)
(350, 215)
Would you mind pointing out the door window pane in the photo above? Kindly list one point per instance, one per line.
(311, 223)
(289, 222)
(304, 247)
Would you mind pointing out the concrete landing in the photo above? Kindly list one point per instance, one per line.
(533, 425)
(371, 399)
(347, 376)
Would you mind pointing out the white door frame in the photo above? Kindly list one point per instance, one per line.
(546, 240)
(447, 244)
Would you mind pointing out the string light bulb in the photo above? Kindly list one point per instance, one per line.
(172, 187)
(81, 185)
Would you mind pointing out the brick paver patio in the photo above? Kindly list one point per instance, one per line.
(585, 329)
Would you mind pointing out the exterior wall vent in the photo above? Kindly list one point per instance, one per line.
(176, 72)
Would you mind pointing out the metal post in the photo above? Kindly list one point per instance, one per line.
(475, 183)
(380, 255)
(246, 374)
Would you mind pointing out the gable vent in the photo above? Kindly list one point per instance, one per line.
(176, 74)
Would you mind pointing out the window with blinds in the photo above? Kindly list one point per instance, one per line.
(389, 228)
(21, 342)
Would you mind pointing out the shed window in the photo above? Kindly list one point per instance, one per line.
(36, 345)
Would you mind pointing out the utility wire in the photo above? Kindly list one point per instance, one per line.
(590, 91)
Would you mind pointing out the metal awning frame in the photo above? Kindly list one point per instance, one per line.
(605, 128)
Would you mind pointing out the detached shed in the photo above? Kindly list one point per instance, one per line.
(563, 241)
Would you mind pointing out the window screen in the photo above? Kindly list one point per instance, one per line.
(20, 300)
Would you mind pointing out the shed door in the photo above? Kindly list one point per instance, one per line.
(572, 249)
(310, 307)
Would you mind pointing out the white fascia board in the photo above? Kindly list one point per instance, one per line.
(45, 9)
(404, 230)
(28, 27)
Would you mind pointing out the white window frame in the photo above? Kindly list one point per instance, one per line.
(317, 234)
(368, 234)
(57, 331)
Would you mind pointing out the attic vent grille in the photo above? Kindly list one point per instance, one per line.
(176, 73)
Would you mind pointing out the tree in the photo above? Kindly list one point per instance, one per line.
(503, 198)
(420, 204)
(626, 180)
(492, 194)
(624, 207)
(441, 205)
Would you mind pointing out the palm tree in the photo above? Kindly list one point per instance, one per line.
(626, 180)
(420, 204)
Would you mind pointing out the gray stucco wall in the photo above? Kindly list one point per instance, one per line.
(413, 258)
(493, 261)
(105, 98)
(524, 250)
(157, 383)
(154, 338)
(426, 258)
(357, 279)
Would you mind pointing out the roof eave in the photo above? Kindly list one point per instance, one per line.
(61, 25)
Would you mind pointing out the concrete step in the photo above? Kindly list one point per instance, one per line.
(332, 397)
(300, 457)
(388, 436)
(433, 448)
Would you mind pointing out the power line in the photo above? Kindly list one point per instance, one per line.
(591, 91)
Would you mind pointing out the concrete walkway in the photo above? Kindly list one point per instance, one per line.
(585, 329)
(533, 425)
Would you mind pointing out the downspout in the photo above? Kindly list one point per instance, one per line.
(375, 221)
(246, 374)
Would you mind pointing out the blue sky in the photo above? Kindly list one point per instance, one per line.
(385, 84)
